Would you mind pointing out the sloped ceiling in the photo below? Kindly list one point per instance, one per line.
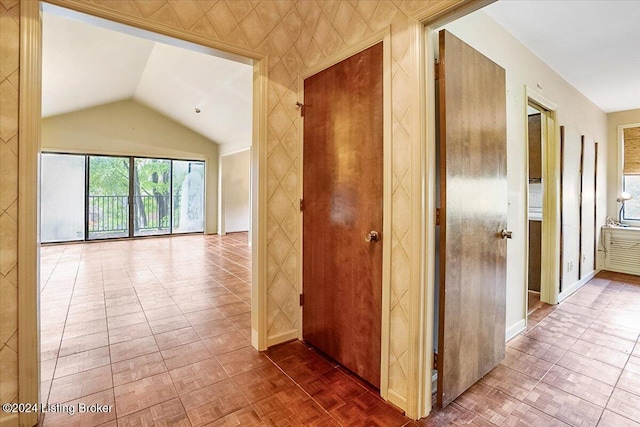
(85, 66)
(594, 45)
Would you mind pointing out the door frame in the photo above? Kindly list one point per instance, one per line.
(29, 174)
(383, 36)
(551, 170)
(425, 23)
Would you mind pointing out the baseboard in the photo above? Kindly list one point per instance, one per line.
(577, 285)
(282, 338)
(254, 338)
(10, 421)
(516, 329)
(396, 399)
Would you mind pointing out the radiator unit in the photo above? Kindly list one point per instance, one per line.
(622, 249)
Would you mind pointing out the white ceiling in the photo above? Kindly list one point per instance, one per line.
(85, 66)
(594, 45)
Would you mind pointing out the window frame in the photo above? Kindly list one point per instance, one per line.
(620, 175)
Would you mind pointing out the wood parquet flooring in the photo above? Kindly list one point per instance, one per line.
(163, 335)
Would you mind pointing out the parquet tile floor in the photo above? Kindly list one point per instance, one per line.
(160, 329)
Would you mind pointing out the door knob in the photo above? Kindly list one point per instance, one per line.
(506, 234)
(372, 236)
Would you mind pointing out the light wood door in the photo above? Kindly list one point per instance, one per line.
(473, 203)
(342, 193)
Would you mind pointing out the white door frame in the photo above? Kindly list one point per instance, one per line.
(29, 170)
(551, 169)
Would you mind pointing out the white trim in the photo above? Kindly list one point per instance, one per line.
(282, 338)
(29, 208)
(221, 219)
(383, 36)
(259, 313)
(619, 142)
(577, 285)
(551, 169)
(515, 329)
(428, 178)
(418, 369)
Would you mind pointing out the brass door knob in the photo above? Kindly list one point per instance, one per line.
(372, 236)
(506, 234)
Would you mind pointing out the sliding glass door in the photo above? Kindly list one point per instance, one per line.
(188, 196)
(87, 197)
(108, 197)
(151, 197)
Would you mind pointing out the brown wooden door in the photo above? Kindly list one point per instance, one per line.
(342, 192)
(473, 200)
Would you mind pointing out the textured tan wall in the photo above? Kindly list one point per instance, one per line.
(296, 35)
(9, 71)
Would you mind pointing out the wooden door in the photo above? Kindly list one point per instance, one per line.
(342, 193)
(473, 203)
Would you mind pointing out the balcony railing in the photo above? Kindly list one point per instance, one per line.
(110, 214)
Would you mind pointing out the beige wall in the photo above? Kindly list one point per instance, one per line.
(614, 182)
(132, 129)
(579, 116)
(9, 73)
(235, 187)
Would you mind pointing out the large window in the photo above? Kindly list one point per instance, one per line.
(87, 197)
(62, 202)
(631, 171)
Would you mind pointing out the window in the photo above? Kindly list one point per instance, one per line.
(91, 197)
(631, 171)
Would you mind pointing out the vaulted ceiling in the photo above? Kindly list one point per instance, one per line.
(85, 66)
(592, 44)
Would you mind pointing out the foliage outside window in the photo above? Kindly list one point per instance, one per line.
(125, 196)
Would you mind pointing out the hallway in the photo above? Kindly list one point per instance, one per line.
(160, 329)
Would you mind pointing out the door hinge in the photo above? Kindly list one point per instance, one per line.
(435, 361)
(300, 106)
(301, 205)
(436, 69)
(301, 300)
(437, 216)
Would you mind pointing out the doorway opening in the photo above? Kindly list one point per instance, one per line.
(543, 206)
(128, 302)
